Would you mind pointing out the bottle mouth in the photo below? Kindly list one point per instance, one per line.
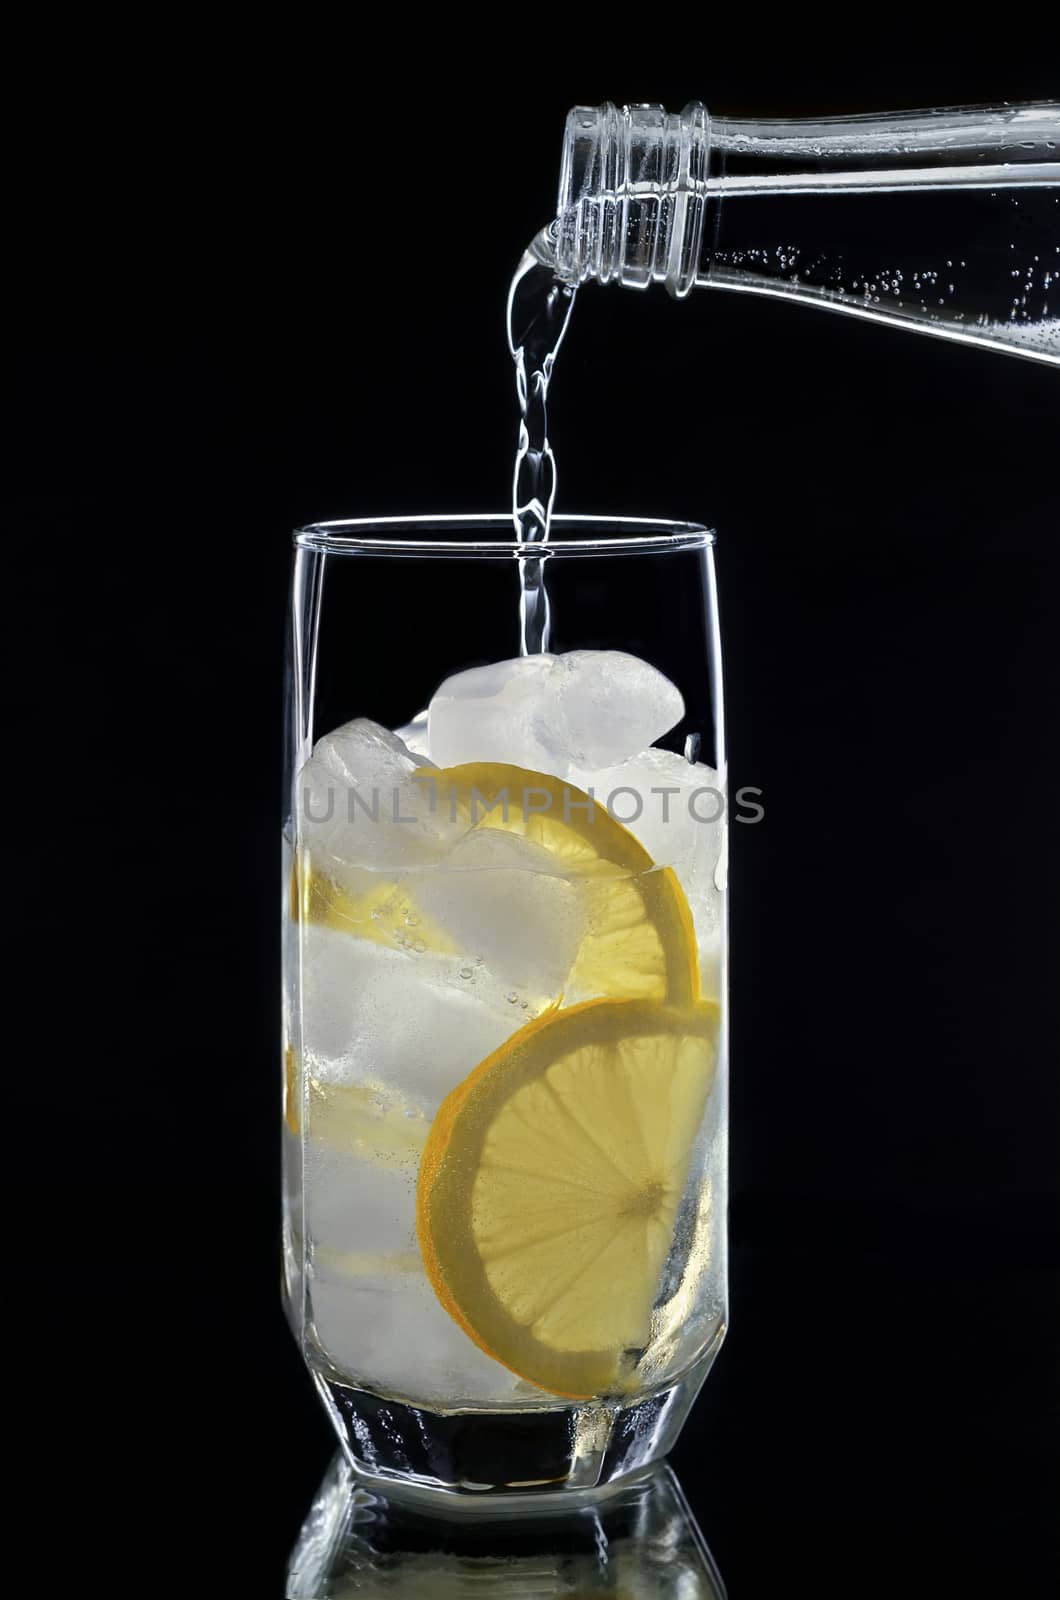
(632, 195)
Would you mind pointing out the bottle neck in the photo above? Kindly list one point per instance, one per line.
(636, 183)
(632, 195)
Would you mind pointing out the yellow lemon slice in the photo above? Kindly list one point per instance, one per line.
(382, 910)
(639, 940)
(550, 1184)
(376, 1124)
(292, 1090)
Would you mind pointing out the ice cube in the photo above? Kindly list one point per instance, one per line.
(408, 1019)
(499, 898)
(388, 1331)
(490, 714)
(359, 804)
(355, 1207)
(611, 705)
(549, 713)
(374, 1312)
(414, 735)
(676, 808)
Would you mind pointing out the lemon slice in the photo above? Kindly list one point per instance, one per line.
(292, 1090)
(368, 1121)
(379, 909)
(550, 1184)
(640, 940)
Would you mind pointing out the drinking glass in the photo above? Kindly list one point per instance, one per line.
(504, 1014)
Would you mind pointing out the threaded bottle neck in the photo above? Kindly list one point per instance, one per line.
(632, 195)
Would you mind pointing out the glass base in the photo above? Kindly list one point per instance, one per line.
(478, 1457)
(640, 1538)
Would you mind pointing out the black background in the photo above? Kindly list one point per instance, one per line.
(261, 282)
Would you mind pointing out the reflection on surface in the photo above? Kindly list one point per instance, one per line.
(640, 1541)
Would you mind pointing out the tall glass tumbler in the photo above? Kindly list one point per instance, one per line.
(504, 1016)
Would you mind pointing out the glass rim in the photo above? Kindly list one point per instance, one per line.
(398, 536)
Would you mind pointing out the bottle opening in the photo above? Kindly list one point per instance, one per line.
(632, 195)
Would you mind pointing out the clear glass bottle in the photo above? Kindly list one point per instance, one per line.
(942, 221)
